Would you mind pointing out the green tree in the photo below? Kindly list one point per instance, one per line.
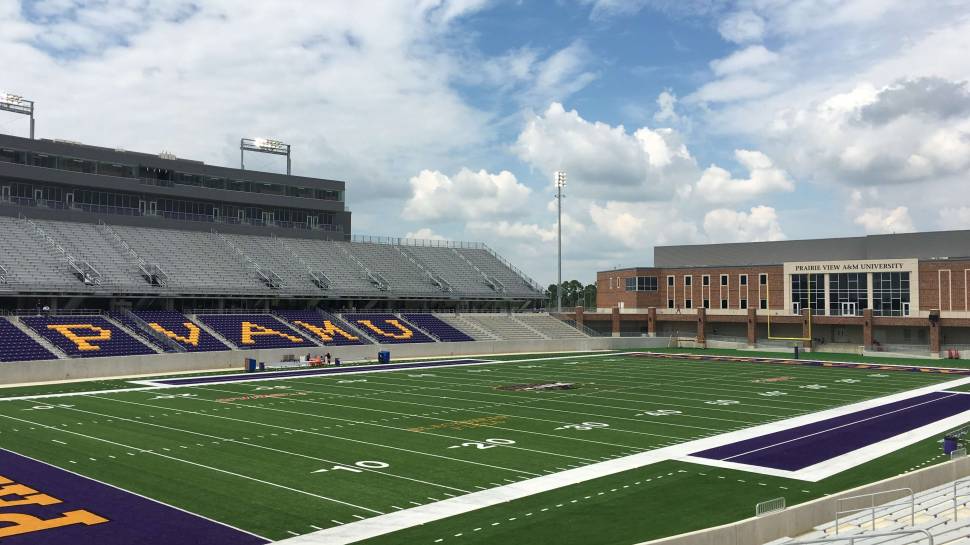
(574, 294)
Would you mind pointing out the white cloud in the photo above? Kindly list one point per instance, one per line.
(742, 27)
(878, 220)
(465, 196)
(717, 185)
(758, 224)
(424, 233)
(955, 217)
(755, 56)
(666, 102)
(647, 164)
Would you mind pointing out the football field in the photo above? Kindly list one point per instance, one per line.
(285, 457)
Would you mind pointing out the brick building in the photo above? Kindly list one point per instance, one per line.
(906, 292)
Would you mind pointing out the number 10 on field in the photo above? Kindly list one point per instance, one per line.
(365, 464)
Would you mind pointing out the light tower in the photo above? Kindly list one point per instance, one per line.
(560, 185)
(263, 145)
(18, 105)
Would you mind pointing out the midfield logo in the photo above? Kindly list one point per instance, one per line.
(14, 495)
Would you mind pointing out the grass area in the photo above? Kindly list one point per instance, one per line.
(316, 452)
(821, 356)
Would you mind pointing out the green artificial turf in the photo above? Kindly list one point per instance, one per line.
(252, 454)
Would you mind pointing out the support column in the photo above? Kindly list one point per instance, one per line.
(934, 333)
(616, 321)
(806, 329)
(701, 326)
(652, 322)
(867, 329)
(580, 318)
(752, 327)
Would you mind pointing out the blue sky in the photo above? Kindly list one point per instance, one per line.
(677, 122)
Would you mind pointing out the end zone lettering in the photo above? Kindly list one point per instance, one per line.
(12, 523)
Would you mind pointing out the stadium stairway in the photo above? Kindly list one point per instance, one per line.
(475, 331)
(122, 317)
(386, 328)
(933, 510)
(316, 319)
(502, 327)
(20, 343)
(174, 322)
(436, 328)
(550, 326)
(263, 331)
(194, 318)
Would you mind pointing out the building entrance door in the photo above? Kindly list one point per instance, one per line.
(796, 308)
(5, 193)
(850, 309)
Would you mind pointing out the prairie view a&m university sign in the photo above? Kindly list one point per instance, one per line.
(852, 266)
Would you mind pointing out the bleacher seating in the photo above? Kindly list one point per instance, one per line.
(15, 345)
(254, 330)
(550, 326)
(180, 329)
(501, 326)
(437, 328)
(204, 262)
(124, 319)
(475, 331)
(387, 328)
(86, 336)
(322, 327)
(933, 510)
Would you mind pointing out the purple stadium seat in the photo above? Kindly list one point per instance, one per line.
(15, 345)
(322, 327)
(254, 330)
(437, 328)
(387, 328)
(180, 329)
(86, 336)
(125, 320)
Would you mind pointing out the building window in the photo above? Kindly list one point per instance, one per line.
(641, 283)
(706, 280)
(848, 294)
(688, 303)
(688, 280)
(724, 279)
(670, 303)
(764, 304)
(707, 303)
(763, 279)
(744, 280)
(890, 294)
(744, 304)
(806, 288)
(724, 303)
(670, 280)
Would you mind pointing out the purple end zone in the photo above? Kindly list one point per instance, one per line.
(131, 519)
(807, 445)
(188, 381)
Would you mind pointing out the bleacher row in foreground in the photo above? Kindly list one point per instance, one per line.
(943, 511)
(55, 256)
(137, 332)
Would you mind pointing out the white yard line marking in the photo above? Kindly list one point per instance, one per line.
(216, 469)
(399, 520)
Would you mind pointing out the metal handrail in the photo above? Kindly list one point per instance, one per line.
(955, 496)
(872, 506)
(851, 539)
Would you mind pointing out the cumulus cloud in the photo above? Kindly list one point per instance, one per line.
(758, 224)
(467, 195)
(646, 164)
(909, 131)
(717, 185)
(755, 56)
(954, 217)
(742, 27)
(877, 220)
(424, 233)
(666, 104)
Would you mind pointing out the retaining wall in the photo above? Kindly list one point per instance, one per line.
(88, 368)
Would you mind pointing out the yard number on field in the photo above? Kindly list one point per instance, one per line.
(660, 412)
(774, 393)
(723, 402)
(488, 443)
(46, 407)
(366, 464)
(272, 388)
(584, 426)
(173, 396)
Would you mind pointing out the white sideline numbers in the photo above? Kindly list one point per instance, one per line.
(660, 412)
(774, 393)
(584, 426)
(723, 402)
(488, 443)
(365, 464)
(46, 407)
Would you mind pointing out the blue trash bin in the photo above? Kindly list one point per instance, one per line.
(950, 444)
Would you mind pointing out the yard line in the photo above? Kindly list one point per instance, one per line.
(227, 440)
(401, 429)
(196, 464)
(321, 434)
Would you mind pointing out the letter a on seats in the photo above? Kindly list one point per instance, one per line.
(327, 332)
(250, 330)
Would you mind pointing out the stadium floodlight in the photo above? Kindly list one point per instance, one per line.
(263, 145)
(18, 105)
(560, 185)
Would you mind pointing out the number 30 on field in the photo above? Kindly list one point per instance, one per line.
(366, 464)
(488, 443)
